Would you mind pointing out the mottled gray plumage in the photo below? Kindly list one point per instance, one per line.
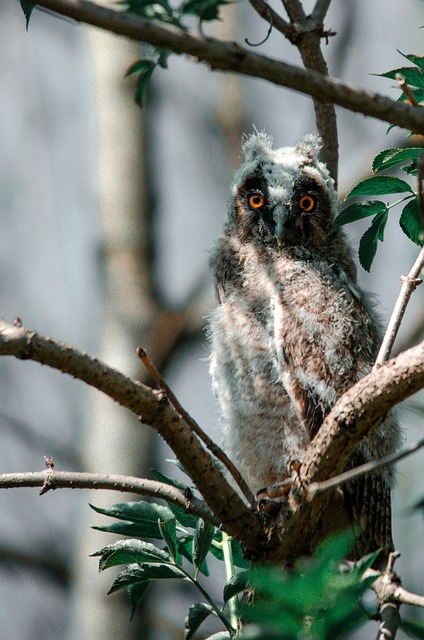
(292, 330)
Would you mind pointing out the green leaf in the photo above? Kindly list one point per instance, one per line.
(27, 8)
(136, 593)
(204, 9)
(238, 559)
(202, 541)
(358, 211)
(168, 530)
(140, 519)
(196, 615)
(185, 548)
(414, 76)
(182, 517)
(392, 157)
(369, 241)
(236, 585)
(412, 628)
(410, 222)
(130, 551)
(379, 185)
(418, 60)
(161, 477)
(139, 573)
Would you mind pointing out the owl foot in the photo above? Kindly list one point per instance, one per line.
(271, 499)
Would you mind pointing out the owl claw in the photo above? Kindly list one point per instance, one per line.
(270, 499)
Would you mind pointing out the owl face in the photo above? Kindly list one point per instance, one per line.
(283, 197)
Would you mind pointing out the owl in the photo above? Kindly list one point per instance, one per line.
(293, 331)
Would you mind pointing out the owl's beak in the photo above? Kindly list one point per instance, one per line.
(280, 216)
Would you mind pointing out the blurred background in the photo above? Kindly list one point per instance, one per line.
(108, 215)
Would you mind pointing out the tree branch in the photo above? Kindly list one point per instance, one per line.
(320, 10)
(229, 56)
(153, 409)
(51, 479)
(364, 469)
(354, 415)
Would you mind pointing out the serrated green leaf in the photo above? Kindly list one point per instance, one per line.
(392, 157)
(236, 585)
(410, 222)
(202, 541)
(196, 615)
(379, 185)
(369, 241)
(184, 518)
(414, 76)
(130, 551)
(140, 519)
(136, 593)
(27, 8)
(358, 211)
(418, 60)
(139, 573)
(168, 530)
(413, 628)
(161, 477)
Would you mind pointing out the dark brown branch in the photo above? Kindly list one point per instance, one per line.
(212, 446)
(308, 40)
(229, 56)
(149, 405)
(365, 469)
(355, 414)
(51, 479)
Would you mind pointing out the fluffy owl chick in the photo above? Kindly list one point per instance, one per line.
(293, 331)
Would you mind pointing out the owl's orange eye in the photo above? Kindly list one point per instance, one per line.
(307, 203)
(256, 200)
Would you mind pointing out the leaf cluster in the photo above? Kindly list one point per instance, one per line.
(410, 218)
(163, 11)
(407, 160)
(184, 539)
(316, 601)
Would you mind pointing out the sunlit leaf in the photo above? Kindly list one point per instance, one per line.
(196, 615)
(140, 519)
(410, 222)
(139, 573)
(418, 60)
(379, 185)
(414, 76)
(130, 551)
(358, 211)
(392, 157)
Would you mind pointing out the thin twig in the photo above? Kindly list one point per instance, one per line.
(266, 12)
(258, 44)
(211, 445)
(51, 479)
(320, 9)
(409, 284)
(400, 79)
(364, 469)
(228, 56)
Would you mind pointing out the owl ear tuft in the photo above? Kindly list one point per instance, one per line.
(309, 146)
(256, 144)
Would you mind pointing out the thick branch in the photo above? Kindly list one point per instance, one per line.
(51, 479)
(229, 56)
(153, 409)
(356, 413)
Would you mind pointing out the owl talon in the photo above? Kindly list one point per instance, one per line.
(270, 499)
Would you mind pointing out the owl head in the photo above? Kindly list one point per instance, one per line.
(282, 197)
